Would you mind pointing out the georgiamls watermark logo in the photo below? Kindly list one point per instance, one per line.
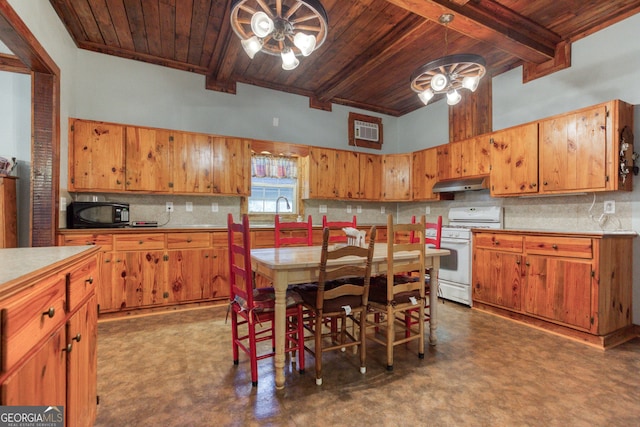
(31, 416)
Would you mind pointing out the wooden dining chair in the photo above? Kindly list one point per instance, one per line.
(336, 235)
(293, 233)
(394, 295)
(433, 238)
(253, 308)
(341, 293)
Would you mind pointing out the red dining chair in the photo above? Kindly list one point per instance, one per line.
(252, 309)
(335, 226)
(293, 233)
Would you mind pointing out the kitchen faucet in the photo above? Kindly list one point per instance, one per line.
(278, 204)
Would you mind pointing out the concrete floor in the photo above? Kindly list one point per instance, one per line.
(176, 369)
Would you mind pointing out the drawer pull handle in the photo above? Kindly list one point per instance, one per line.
(68, 348)
(77, 338)
(518, 262)
(189, 240)
(495, 242)
(51, 312)
(554, 246)
(89, 280)
(140, 242)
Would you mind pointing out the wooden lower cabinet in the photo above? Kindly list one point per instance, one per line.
(49, 340)
(575, 284)
(152, 269)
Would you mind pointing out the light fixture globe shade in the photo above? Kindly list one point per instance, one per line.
(261, 24)
(439, 82)
(426, 95)
(306, 43)
(471, 83)
(289, 60)
(252, 46)
(453, 97)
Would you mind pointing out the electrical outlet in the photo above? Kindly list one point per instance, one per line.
(427, 210)
(169, 207)
(214, 207)
(189, 207)
(322, 208)
(359, 209)
(609, 207)
(382, 210)
(348, 208)
(63, 204)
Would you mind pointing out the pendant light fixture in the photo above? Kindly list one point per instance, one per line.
(285, 28)
(448, 74)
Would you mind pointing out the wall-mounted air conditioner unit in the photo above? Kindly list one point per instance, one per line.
(366, 131)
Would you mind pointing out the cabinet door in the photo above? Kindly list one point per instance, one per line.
(148, 159)
(231, 166)
(190, 275)
(138, 279)
(369, 179)
(444, 161)
(192, 163)
(347, 175)
(41, 380)
(107, 294)
(82, 365)
(220, 272)
(396, 177)
(514, 161)
(497, 278)
(96, 156)
(573, 151)
(425, 174)
(559, 289)
(322, 164)
(481, 162)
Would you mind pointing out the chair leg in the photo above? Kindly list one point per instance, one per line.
(390, 337)
(253, 355)
(234, 336)
(363, 347)
(421, 331)
(318, 348)
(300, 337)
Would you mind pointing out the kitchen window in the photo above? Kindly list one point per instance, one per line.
(274, 185)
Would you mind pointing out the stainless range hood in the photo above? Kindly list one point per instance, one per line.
(466, 184)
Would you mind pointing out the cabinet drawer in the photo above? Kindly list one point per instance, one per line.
(187, 240)
(576, 247)
(31, 317)
(132, 242)
(263, 239)
(503, 242)
(81, 282)
(103, 240)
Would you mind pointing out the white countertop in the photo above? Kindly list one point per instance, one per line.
(18, 262)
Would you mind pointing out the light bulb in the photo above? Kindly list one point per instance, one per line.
(252, 46)
(289, 60)
(439, 82)
(453, 97)
(261, 24)
(471, 83)
(306, 43)
(426, 95)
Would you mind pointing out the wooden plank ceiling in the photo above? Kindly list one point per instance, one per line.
(372, 47)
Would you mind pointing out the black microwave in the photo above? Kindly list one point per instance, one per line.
(97, 215)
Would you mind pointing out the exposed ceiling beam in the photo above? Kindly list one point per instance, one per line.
(493, 24)
(12, 64)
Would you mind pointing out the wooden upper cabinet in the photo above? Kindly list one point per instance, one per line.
(320, 169)
(347, 175)
(396, 177)
(96, 155)
(370, 184)
(148, 159)
(580, 151)
(514, 160)
(192, 163)
(231, 166)
(463, 159)
(425, 174)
